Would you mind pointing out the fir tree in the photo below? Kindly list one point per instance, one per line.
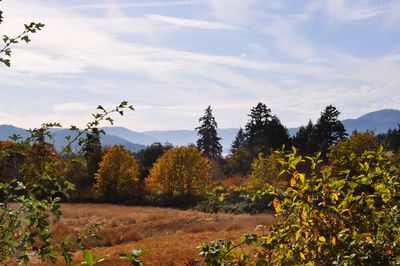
(329, 129)
(305, 139)
(239, 141)
(264, 131)
(209, 140)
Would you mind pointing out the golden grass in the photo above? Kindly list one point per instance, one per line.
(173, 235)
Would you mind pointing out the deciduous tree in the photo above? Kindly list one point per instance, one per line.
(180, 171)
(117, 175)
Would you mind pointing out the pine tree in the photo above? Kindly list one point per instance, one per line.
(239, 141)
(329, 129)
(92, 152)
(264, 131)
(305, 139)
(257, 125)
(209, 140)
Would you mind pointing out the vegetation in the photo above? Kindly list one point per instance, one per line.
(117, 175)
(180, 171)
(337, 198)
(346, 217)
(209, 140)
(5, 52)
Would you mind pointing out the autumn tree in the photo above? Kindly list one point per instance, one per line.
(117, 174)
(209, 142)
(180, 171)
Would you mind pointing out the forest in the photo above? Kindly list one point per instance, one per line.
(321, 197)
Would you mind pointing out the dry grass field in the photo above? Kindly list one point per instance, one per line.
(173, 235)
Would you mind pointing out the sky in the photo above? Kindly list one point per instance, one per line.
(170, 59)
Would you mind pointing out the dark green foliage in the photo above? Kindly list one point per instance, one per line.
(147, 157)
(264, 131)
(208, 141)
(329, 129)
(239, 141)
(233, 201)
(92, 153)
(5, 52)
(306, 139)
(391, 139)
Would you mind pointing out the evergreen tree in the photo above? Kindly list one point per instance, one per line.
(278, 134)
(148, 156)
(391, 139)
(92, 152)
(209, 140)
(256, 127)
(329, 129)
(305, 139)
(239, 141)
(264, 131)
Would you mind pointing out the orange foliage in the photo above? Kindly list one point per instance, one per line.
(180, 171)
(117, 174)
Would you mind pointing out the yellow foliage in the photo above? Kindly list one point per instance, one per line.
(180, 171)
(117, 174)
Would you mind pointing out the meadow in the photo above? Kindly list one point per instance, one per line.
(172, 235)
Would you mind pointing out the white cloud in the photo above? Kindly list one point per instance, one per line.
(106, 59)
(285, 34)
(73, 107)
(200, 24)
(361, 9)
(143, 4)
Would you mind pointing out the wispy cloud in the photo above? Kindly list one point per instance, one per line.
(171, 74)
(144, 4)
(193, 23)
(285, 34)
(361, 10)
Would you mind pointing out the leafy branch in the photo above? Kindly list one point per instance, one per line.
(5, 52)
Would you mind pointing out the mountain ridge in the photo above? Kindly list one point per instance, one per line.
(379, 121)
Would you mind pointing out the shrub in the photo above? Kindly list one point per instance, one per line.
(348, 217)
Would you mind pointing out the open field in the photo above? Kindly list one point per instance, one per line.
(173, 235)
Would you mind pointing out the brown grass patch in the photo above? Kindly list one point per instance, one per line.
(173, 235)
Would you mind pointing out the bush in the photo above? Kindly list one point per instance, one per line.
(348, 217)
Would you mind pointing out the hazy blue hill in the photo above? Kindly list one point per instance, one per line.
(106, 140)
(131, 136)
(8, 130)
(184, 137)
(379, 121)
(60, 142)
(176, 137)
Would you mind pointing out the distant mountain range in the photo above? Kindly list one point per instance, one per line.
(60, 141)
(378, 121)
